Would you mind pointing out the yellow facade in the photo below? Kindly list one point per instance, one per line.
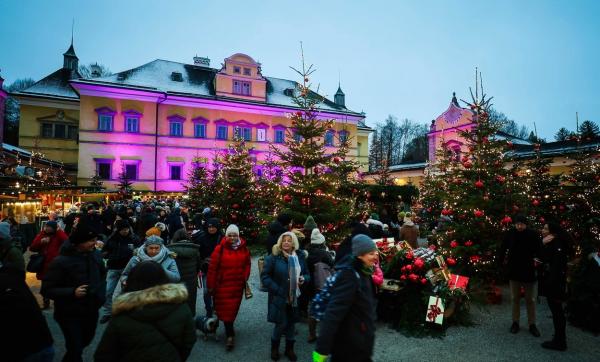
(36, 112)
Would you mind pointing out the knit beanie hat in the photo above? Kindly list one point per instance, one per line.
(121, 224)
(362, 244)
(153, 231)
(52, 224)
(310, 223)
(316, 237)
(161, 226)
(82, 233)
(153, 240)
(233, 229)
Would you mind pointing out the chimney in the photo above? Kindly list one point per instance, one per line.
(200, 61)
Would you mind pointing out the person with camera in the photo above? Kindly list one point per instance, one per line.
(76, 281)
(48, 243)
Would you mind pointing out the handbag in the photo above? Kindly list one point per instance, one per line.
(261, 266)
(36, 263)
(247, 291)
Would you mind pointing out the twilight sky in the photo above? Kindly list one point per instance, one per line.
(539, 58)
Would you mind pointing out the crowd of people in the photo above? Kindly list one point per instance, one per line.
(138, 266)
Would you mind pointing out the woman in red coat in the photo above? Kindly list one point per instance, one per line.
(228, 272)
(48, 243)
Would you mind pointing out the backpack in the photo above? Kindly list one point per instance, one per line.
(319, 303)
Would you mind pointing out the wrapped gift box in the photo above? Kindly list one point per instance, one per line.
(435, 310)
(458, 281)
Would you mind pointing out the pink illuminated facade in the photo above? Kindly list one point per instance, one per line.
(158, 121)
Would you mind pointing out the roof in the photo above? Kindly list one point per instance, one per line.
(54, 85)
(70, 51)
(553, 149)
(503, 136)
(24, 153)
(198, 81)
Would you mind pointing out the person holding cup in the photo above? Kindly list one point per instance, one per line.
(117, 251)
(284, 272)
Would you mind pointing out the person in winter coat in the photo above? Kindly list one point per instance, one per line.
(10, 253)
(317, 253)
(48, 242)
(409, 232)
(275, 229)
(309, 226)
(175, 222)
(284, 272)
(347, 329)
(523, 246)
(155, 250)
(76, 281)
(208, 241)
(555, 255)
(147, 220)
(188, 262)
(69, 220)
(228, 274)
(118, 250)
(151, 321)
(27, 336)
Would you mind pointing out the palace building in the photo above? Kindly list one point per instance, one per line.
(154, 123)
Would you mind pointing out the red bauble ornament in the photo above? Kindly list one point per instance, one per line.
(485, 140)
(446, 212)
(298, 114)
(409, 255)
(336, 159)
(419, 263)
(535, 202)
(506, 220)
(468, 243)
(423, 281)
(475, 258)
(500, 178)
(478, 213)
(235, 206)
(402, 277)
(453, 244)
(464, 158)
(413, 277)
(542, 220)
(287, 198)
(234, 217)
(479, 184)
(451, 261)
(409, 267)
(467, 164)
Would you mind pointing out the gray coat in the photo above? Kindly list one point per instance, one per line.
(275, 278)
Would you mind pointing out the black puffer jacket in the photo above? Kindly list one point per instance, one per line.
(207, 243)
(117, 250)
(317, 253)
(188, 262)
(347, 330)
(70, 270)
(522, 247)
(553, 281)
(153, 324)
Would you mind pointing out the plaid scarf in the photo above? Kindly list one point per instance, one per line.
(294, 273)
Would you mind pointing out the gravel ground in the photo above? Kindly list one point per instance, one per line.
(489, 340)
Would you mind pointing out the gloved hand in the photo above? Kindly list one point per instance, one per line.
(317, 357)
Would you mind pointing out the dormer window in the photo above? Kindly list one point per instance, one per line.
(176, 77)
(237, 70)
(241, 88)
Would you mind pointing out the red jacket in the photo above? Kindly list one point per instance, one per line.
(50, 249)
(228, 272)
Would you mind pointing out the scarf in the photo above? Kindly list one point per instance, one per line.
(162, 254)
(367, 270)
(236, 244)
(294, 274)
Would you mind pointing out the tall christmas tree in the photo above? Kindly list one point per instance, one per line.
(235, 194)
(311, 174)
(473, 193)
(96, 182)
(200, 186)
(125, 185)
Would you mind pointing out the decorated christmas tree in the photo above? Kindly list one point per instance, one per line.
(383, 174)
(311, 174)
(235, 195)
(125, 185)
(96, 182)
(200, 186)
(473, 193)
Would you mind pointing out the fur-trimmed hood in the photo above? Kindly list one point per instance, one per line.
(165, 293)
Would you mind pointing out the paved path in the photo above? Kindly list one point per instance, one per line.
(489, 340)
